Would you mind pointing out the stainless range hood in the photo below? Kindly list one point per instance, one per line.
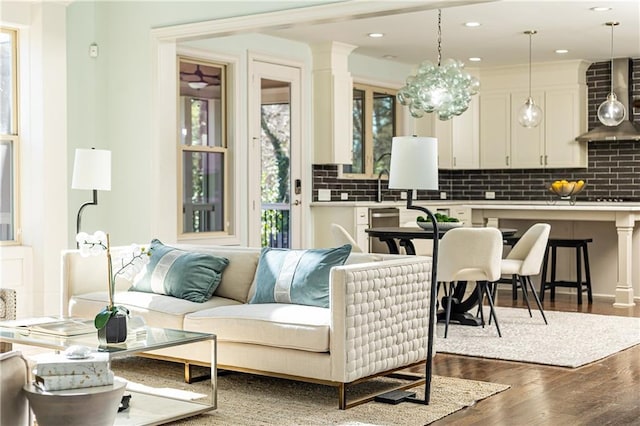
(627, 130)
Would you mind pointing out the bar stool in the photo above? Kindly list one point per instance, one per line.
(582, 254)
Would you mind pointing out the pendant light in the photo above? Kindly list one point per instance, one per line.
(529, 114)
(611, 112)
(445, 89)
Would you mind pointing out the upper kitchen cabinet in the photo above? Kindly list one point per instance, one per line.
(560, 90)
(459, 139)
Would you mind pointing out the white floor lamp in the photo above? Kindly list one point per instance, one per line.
(414, 165)
(91, 170)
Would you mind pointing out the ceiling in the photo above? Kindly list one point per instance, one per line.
(498, 41)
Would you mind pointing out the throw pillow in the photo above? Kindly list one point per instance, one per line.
(184, 274)
(296, 276)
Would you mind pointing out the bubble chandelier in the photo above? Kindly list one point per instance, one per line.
(445, 89)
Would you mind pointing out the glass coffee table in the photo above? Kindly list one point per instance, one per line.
(146, 408)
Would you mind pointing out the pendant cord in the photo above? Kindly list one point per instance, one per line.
(612, 25)
(439, 36)
(530, 34)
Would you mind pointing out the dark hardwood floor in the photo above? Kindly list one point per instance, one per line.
(606, 392)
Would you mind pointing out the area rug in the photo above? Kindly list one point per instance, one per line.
(245, 399)
(570, 340)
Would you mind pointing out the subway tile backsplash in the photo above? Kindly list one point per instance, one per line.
(613, 170)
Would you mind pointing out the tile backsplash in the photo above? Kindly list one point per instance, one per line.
(613, 170)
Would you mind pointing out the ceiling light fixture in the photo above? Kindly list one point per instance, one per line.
(375, 35)
(600, 9)
(475, 59)
(529, 114)
(444, 89)
(472, 24)
(200, 83)
(561, 51)
(611, 112)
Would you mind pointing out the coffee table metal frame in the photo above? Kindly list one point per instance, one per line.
(156, 338)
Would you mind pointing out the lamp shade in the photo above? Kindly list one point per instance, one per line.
(414, 163)
(92, 169)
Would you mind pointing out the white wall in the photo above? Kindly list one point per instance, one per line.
(43, 156)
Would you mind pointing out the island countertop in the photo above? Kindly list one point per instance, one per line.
(624, 215)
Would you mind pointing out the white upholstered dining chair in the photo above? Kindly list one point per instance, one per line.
(525, 260)
(341, 237)
(470, 254)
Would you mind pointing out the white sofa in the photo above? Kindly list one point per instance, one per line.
(376, 323)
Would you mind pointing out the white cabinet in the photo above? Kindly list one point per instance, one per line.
(561, 93)
(495, 130)
(354, 219)
(459, 139)
(504, 143)
(565, 117)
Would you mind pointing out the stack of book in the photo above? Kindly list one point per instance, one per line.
(57, 372)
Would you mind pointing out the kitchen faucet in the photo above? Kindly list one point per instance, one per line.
(382, 172)
(379, 195)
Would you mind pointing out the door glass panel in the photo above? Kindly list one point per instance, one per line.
(275, 118)
(203, 203)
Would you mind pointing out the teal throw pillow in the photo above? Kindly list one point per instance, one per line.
(184, 274)
(296, 276)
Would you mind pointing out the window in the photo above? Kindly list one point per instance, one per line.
(374, 126)
(9, 140)
(203, 147)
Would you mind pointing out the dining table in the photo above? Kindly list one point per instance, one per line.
(402, 236)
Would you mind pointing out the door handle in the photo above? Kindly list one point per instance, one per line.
(297, 203)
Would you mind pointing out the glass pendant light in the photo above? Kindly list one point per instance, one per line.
(611, 112)
(529, 114)
(445, 89)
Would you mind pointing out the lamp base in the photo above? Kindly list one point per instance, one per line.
(395, 397)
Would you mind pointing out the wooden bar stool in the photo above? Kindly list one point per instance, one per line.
(582, 255)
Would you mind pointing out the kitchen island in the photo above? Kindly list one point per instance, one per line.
(623, 215)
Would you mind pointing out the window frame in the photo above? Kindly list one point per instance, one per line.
(223, 149)
(369, 89)
(14, 138)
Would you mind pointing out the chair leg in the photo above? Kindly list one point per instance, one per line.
(553, 273)
(491, 308)
(447, 314)
(514, 289)
(585, 253)
(535, 296)
(525, 296)
(480, 290)
(579, 275)
(543, 277)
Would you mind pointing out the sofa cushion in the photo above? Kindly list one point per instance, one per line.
(157, 310)
(296, 276)
(238, 275)
(182, 274)
(273, 324)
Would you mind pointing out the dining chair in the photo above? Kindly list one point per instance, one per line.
(341, 237)
(525, 260)
(470, 254)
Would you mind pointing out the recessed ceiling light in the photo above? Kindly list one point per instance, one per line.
(375, 35)
(389, 56)
(475, 59)
(600, 9)
(472, 24)
(562, 51)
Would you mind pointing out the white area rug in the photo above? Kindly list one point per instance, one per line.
(570, 340)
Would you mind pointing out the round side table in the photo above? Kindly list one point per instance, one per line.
(76, 407)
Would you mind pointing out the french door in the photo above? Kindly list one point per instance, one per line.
(275, 155)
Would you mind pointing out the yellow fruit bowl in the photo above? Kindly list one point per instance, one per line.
(567, 189)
